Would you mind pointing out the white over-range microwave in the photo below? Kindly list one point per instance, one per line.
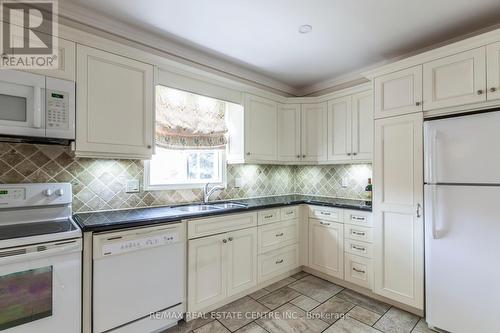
(36, 107)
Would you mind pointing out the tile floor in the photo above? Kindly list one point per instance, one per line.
(305, 303)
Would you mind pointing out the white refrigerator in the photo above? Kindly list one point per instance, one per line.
(462, 223)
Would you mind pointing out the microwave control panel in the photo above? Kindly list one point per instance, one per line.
(57, 109)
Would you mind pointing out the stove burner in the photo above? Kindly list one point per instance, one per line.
(19, 230)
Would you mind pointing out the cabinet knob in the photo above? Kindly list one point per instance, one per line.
(230, 239)
(224, 241)
(149, 146)
(303, 156)
(493, 89)
(355, 154)
(348, 154)
(480, 92)
(248, 153)
(418, 103)
(298, 156)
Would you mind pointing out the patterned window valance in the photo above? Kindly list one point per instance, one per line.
(189, 121)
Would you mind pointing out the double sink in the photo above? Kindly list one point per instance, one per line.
(198, 208)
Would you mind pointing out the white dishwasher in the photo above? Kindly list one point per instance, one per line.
(137, 273)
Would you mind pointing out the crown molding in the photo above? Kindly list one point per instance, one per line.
(73, 14)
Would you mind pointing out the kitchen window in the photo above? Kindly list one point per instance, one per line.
(190, 141)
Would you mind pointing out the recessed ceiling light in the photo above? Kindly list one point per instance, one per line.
(304, 29)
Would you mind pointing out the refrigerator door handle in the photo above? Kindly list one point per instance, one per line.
(433, 203)
(419, 215)
(431, 166)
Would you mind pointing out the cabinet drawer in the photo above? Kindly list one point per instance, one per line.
(276, 235)
(278, 262)
(357, 217)
(269, 216)
(326, 213)
(355, 232)
(220, 224)
(289, 213)
(358, 270)
(359, 248)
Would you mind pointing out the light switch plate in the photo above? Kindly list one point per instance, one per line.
(132, 186)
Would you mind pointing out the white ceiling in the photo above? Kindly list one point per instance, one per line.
(262, 36)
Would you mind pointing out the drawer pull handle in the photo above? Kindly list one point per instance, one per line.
(280, 234)
(268, 216)
(358, 270)
(359, 248)
(326, 213)
(279, 261)
(358, 233)
(324, 223)
(289, 212)
(358, 218)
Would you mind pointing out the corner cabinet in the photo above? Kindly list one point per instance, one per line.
(314, 135)
(261, 139)
(397, 207)
(350, 124)
(289, 133)
(114, 104)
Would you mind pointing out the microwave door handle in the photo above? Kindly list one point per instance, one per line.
(37, 102)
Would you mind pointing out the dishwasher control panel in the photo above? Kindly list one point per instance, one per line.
(119, 246)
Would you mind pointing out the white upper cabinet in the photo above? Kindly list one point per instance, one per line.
(289, 132)
(493, 63)
(455, 80)
(350, 128)
(114, 103)
(314, 132)
(398, 93)
(340, 129)
(362, 126)
(261, 129)
(397, 206)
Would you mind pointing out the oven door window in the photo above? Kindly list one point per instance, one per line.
(25, 297)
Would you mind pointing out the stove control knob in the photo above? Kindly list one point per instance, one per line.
(59, 192)
(48, 192)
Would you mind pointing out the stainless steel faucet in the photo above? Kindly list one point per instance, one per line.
(207, 193)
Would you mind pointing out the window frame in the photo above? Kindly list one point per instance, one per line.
(185, 186)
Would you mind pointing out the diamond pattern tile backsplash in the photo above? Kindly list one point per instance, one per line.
(100, 184)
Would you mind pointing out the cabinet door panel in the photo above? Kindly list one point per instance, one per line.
(241, 260)
(326, 247)
(207, 271)
(455, 80)
(314, 132)
(398, 225)
(340, 129)
(289, 132)
(260, 129)
(362, 126)
(493, 63)
(114, 105)
(398, 93)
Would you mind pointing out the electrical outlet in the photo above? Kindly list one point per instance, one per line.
(132, 186)
(238, 182)
(345, 182)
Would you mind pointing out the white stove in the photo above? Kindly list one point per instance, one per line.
(40, 260)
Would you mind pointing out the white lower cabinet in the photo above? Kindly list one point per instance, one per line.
(207, 266)
(241, 260)
(358, 270)
(221, 266)
(326, 247)
(278, 262)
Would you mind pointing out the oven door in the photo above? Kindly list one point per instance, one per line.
(40, 288)
(22, 104)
